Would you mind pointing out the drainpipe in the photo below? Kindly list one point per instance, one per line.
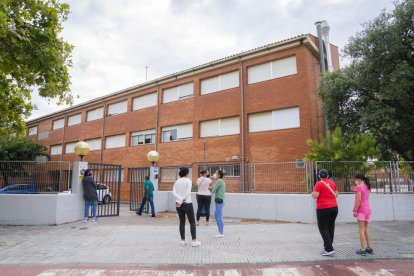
(319, 26)
(242, 123)
(103, 133)
(156, 117)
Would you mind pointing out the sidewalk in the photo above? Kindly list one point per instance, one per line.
(145, 241)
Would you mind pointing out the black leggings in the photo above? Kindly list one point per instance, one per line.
(326, 224)
(203, 201)
(186, 209)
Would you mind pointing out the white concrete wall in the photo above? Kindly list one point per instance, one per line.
(300, 207)
(51, 209)
(44, 209)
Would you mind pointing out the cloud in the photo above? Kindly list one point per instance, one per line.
(115, 40)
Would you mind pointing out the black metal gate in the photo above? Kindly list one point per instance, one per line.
(136, 178)
(108, 181)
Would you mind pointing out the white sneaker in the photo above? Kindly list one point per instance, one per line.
(93, 219)
(183, 243)
(85, 220)
(328, 253)
(219, 235)
(196, 243)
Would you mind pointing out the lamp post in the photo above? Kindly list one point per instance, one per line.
(81, 149)
(153, 157)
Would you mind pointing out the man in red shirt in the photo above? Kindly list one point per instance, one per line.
(325, 193)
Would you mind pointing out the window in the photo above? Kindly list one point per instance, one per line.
(221, 82)
(230, 170)
(170, 175)
(180, 132)
(95, 114)
(178, 93)
(220, 127)
(43, 135)
(58, 124)
(117, 108)
(144, 101)
(94, 144)
(70, 147)
(300, 163)
(143, 137)
(117, 141)
(272, 70)
(56, 150)
(32, 131)
(274, 120)
(74, 120)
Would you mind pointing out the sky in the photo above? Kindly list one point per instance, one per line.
(123, 43)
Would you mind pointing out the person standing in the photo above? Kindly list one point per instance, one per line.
(148, 194)
(325, 193)
(362, 212)
(184, 205)
(219, 192)
(203, 195)
(90, 195)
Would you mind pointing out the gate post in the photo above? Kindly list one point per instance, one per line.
(76, 186)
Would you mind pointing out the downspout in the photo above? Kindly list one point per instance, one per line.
(323, 71)
(63, 139)
(103, 133)
(156, 117)
(242, 124)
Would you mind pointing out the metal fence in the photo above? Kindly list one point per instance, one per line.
(300, 177)
(33, 177)
(136, 180)
(108, 180)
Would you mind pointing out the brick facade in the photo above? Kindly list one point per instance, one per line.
(298, 90)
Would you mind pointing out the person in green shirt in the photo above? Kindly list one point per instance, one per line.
(148, 194)
(219, 192)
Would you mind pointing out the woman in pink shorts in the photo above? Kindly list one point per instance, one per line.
(362, 212)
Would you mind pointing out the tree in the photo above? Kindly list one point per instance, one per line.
(340, 150)
(375, 93)
(32, 57)
(18, 148)
(356, 147)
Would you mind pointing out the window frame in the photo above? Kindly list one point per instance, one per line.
(219, 79)
(116, 147)
(60, 121)
(29, 129)
(94, 111)
(76, 123)
(274, 119)
(143, 134)
(177, 93)
(117, 104)
(175, 128)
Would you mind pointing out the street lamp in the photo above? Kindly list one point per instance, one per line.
(81, 149)
(153, 157)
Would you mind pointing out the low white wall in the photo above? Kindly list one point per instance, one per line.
(39, 209)
(299, 207)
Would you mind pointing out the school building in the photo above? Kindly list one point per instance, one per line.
(258, 106)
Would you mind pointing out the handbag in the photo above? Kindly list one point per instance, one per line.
(218, 200)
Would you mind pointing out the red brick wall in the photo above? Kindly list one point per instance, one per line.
(271, 146)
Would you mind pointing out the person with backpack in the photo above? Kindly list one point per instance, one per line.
(325, 193)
